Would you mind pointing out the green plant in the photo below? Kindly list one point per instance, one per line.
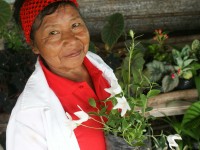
(195, 49)
(188, 127)
(159, 50)
(13, 38)
(5, 15)
(112, 30)
(197, 81)
(163, 74)
(185, 65)
(128, 118)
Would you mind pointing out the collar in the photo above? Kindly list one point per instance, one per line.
(57, 82)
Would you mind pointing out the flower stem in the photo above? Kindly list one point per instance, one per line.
(129, 64)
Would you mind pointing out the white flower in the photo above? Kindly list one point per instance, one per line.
(122, 104)
(171, 140)
(114, 89)
(72, 124)
(82, 115)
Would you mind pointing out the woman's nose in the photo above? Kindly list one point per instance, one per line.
(69, 37)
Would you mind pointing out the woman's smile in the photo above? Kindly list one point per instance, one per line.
(73, 54)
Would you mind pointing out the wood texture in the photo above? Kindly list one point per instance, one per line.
(184, 95)
(143, 15)
(172, 103)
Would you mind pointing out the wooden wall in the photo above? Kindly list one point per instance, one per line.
(144, 16)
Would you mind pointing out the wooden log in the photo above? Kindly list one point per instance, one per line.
(183, 95)
(143, 15)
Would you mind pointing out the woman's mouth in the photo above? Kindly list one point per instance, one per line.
(73, 54)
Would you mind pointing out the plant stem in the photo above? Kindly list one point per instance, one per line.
(129, 66)
(92, 127)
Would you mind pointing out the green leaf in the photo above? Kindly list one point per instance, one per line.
(5, 13)
(179, 61)
(191, 121)
(185, 52)
(148, 109)
(187, 74)
(195, 66)
(197, 81)
(113, 29)
(195, 45)
(191, 118)
(103, 111)
(155, 69)
(124, 124)
(137, 62)
(168, 83)
(187, 62)
(152, 93)
(192, 132)
(175, 54)
(92, 102)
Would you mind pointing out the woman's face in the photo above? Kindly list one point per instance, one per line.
(62, 39)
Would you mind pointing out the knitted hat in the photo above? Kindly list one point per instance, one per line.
(30, 10)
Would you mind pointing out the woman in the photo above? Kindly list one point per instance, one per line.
(51, 112)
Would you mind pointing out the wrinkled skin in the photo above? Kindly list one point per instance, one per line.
(62, 40)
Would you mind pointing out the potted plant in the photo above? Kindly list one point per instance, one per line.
(180, 72)
(128, 122)
(158, 49)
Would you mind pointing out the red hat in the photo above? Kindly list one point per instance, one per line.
(30, 10)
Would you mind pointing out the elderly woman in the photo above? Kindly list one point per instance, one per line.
(51, 113)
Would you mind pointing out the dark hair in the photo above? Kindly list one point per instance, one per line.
(51, 8)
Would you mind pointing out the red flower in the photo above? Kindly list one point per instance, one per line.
(172, 75)
(179, 71)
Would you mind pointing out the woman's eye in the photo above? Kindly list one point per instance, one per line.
(53, 32)
(75, 25)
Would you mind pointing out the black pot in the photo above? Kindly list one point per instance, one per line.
(118, 143)
(185, 84)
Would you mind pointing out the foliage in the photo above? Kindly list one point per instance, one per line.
(195, 48)
(5, 13)
(189, 127)
(185, 65)
(13, 38)
(112, 30)
(197, 81)
(159, 50)
(134, 124)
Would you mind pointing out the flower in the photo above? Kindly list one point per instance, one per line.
(82, 115)
(72, 124)
(122, 104)
(160, 36)
(172, 75)
(171, 140)
(114, 89)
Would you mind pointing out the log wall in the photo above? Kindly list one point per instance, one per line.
(144, 16)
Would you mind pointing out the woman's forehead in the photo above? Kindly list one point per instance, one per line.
(31, 9)
(64, 12)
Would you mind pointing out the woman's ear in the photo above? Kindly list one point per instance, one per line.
(34, 48)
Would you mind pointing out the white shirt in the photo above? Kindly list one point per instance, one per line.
(38, 121)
